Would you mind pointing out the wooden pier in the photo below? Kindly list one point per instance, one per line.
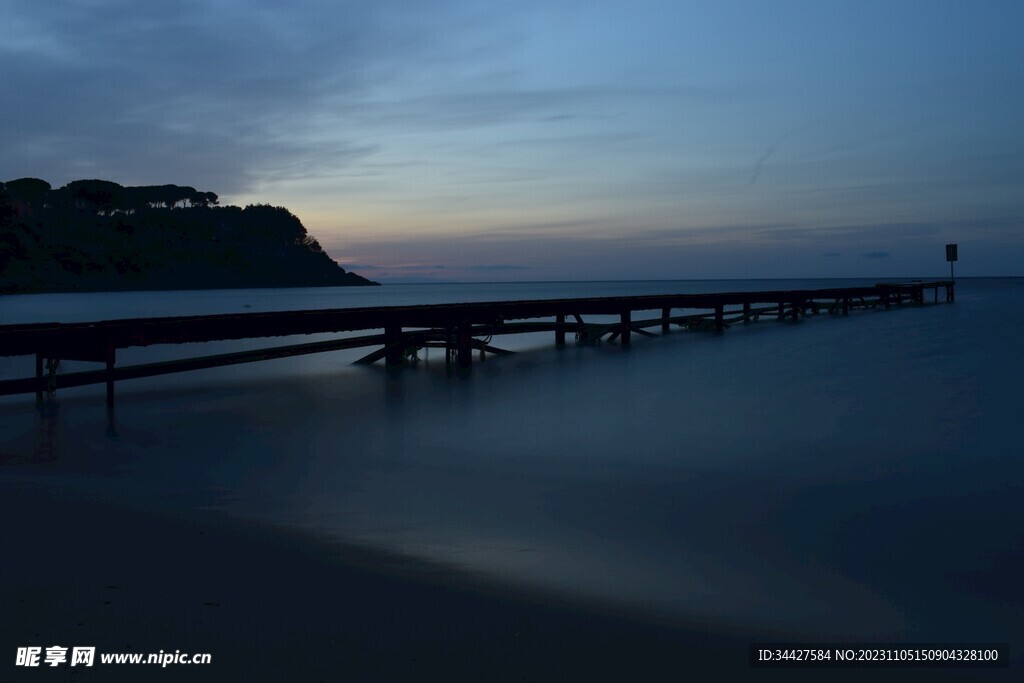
(399, 331)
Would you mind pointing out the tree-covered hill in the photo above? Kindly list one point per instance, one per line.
(96, 235)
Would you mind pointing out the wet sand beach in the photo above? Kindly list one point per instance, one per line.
(278, 605)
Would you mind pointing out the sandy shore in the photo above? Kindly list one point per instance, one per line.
(275, 605)
(270, 604)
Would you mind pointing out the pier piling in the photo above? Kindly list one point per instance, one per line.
(39, 379)
(464, 349)
(395, 354)
(110, 375)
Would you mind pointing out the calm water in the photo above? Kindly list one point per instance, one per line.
(841, 477)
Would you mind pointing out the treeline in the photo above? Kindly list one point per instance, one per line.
(97, 235)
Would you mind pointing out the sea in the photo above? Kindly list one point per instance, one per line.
(854, 477)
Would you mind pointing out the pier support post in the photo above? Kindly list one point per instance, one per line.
(393, 344)
(52, 364)
(560, 332)
(797, 305)
(625, 324)
(846, 305)
(39, 376)
(464, 349)
(719, 319)
(110, 377)
(782, 310)
(746, 312)
(666, 313)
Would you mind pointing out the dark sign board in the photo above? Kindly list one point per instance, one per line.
(951, 252)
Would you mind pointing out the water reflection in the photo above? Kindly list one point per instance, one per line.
(46, 444)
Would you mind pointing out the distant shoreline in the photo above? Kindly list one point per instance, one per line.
(907, 278)
(181, 288)
(447, 283)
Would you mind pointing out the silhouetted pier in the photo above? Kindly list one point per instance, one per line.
(460, 329)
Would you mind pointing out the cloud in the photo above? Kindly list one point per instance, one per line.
(772, 148)
(419, 267)
(497, 266)
(832, 237)
(234, 95)
(217, 95)
(570, 251)
(759, 164)
(482, 104)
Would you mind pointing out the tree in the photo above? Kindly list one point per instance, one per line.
(98, 196)
(31, 191)
(204, 199)
(274, 222)
(6, 210)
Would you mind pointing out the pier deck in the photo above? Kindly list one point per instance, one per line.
(459, 328)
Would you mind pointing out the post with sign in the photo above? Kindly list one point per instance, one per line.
(951, 257)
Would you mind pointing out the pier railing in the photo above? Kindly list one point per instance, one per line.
(401, 330)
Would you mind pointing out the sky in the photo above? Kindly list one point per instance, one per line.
(557, 140)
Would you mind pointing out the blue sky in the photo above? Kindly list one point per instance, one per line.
(550, 140)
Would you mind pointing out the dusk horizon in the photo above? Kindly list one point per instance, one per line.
(539, 141)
